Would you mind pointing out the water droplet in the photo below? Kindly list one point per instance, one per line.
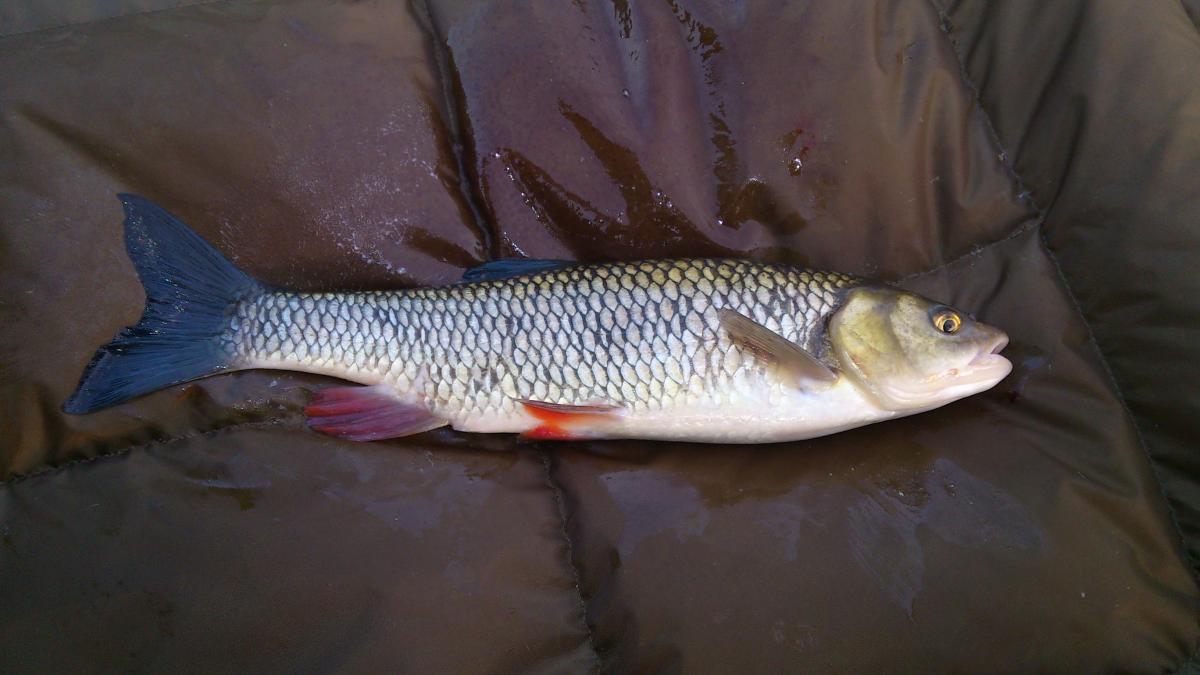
(496, 154)
(721, 223)
(625, 93)
(796, 166)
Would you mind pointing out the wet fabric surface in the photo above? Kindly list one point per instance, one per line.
(253, 550)
(1120, 213)
(374, 145)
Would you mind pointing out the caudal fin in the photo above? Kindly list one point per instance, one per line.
(191, 292)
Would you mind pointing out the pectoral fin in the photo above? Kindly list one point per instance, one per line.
(791, 360)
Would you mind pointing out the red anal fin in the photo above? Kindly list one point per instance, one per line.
(367, 414)
(561, 422)
(549, 432)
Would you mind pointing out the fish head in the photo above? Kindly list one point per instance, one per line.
(912, 354)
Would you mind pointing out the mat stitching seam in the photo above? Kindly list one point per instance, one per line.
(161, 10)
(471, 189)
(1194, 18)
(158, 442)
(1137, 429)
(1024, 194)
(569, 546)
(1071, 297)
(1031, 223)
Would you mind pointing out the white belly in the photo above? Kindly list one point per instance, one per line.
(756, 412)
(752, 418)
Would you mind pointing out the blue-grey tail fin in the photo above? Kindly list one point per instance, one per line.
(191, 292)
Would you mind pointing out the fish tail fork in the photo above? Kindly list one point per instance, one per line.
(191, 294)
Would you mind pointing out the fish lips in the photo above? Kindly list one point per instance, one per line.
(988, 364)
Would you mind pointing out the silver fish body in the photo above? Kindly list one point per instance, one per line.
(701, 350)
(644, 337)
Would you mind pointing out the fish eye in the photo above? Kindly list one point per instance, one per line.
(947, 321)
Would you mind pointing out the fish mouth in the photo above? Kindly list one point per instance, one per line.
(988, 365)
(990, 354)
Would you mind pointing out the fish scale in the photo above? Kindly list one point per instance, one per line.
(642, 336)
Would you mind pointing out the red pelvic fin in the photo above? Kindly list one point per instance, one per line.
(561, 422)
(367, 414)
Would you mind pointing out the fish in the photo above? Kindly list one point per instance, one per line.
(701, 350)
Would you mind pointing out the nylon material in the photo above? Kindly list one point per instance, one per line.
(1080, 131)
(251, 122)
(243, 158)
(254, 503)
(684, 164)
(1192, 7)
(39, 15)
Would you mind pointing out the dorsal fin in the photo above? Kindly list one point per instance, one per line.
(789, 358)
(512, 267)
